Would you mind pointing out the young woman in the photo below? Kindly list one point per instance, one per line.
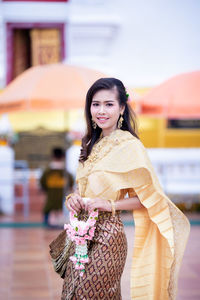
(115, 174)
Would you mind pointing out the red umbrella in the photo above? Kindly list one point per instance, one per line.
(178, 97)
(48, 87)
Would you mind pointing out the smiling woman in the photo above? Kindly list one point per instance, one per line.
(105, 110)
(115, 174)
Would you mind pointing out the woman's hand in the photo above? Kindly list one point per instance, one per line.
(74, 203)
(100, 204)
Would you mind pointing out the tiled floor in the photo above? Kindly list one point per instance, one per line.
(27, 274)
(26, 271)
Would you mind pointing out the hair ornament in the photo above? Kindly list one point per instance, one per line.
(127, 96)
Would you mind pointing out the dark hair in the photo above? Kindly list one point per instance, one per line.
(92, 135)
(58, 153)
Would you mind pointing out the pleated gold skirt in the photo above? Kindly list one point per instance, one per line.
(107, 252)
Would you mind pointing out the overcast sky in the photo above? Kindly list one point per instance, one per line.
(164, 40)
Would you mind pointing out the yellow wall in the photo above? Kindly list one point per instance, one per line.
(182, 138)
(151, 131)
(56, 120)
(154, 133)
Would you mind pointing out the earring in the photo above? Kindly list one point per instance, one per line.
(121, 119)
(94, 125)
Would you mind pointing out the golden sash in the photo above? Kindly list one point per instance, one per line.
(118, 164)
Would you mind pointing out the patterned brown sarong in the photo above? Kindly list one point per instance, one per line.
(107, 252)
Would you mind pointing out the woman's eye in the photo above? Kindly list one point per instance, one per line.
(95, 104)
(109, 104)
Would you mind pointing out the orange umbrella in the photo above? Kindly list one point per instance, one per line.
(55, 86)
(178, 97)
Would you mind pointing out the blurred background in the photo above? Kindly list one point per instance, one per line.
(50, 54)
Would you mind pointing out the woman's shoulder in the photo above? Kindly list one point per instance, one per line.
(124, 152)
(126, 136)
(128, 143)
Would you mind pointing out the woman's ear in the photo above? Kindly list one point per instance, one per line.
(122, 110)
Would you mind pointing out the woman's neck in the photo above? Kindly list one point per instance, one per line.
(108, 131)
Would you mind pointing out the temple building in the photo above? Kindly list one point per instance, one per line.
(43, 32)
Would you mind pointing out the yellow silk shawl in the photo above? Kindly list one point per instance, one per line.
(117, 165)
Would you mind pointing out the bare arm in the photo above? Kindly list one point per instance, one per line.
(122, 204)
(128, 204)
(75, 203)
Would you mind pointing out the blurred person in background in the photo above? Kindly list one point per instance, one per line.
(56, 181)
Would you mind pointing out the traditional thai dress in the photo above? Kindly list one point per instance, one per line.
(118, 165)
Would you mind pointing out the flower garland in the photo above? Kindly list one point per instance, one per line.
(79, 232)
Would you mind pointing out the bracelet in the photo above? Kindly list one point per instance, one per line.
(112, 206)
(67, 197)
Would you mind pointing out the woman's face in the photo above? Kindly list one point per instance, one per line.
(105, 110)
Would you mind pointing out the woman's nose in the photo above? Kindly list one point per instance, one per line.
(101, 109)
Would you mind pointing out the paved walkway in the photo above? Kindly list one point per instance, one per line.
(27, 273)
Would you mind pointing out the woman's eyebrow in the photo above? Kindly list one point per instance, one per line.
(103, 101)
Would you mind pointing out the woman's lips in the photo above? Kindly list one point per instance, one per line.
(102, 120)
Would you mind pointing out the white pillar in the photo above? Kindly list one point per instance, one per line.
(6, 180)
(2, 49)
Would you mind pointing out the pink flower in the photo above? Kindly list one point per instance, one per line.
(81, 267)
(73, 258)
(82, 232)
(87, 228)
(78, 241)
(91, 222)
(82, 239)
(91, 231)
(94, 214)
(66, 226)
(84, 260)
(71, 234)
(79, 232)
(72, 215)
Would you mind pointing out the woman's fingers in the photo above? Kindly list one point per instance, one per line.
(90, 205)
(81, 203)
(100, 204)
(86, 205)
(69, 207)
(74, 203)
